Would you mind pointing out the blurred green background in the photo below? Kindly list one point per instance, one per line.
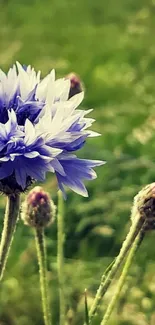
(111, 45)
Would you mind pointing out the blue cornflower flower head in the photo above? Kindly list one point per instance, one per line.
(40, 130)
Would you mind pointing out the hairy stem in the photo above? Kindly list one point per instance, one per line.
(41, 253)
(105, 283)
(10, 221)
(121, 280)
(60, 257)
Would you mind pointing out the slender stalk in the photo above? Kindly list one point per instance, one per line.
(105, 283)
(103, 278)
(10, 221)
(121, 280)
(60, 257)
(41, 253)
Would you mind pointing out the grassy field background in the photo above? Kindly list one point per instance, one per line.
(111, 45)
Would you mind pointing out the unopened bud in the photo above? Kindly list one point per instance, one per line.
(144, 204)
(38, 210)
(76, 84)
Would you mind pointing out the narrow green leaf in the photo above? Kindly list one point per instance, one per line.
(86, 309)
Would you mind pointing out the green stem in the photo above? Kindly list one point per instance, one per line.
(105, 283)
(60, 257)
(10, 221)
(121, 280)
(41, 253)
(103, 279)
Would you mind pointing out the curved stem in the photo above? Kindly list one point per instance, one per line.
(60, 256)
(105, 283)
(121, 279)
(41, 253)
(10, 221)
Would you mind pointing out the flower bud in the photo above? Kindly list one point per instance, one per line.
(144, 204)
(38, 210)
(76, 85)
